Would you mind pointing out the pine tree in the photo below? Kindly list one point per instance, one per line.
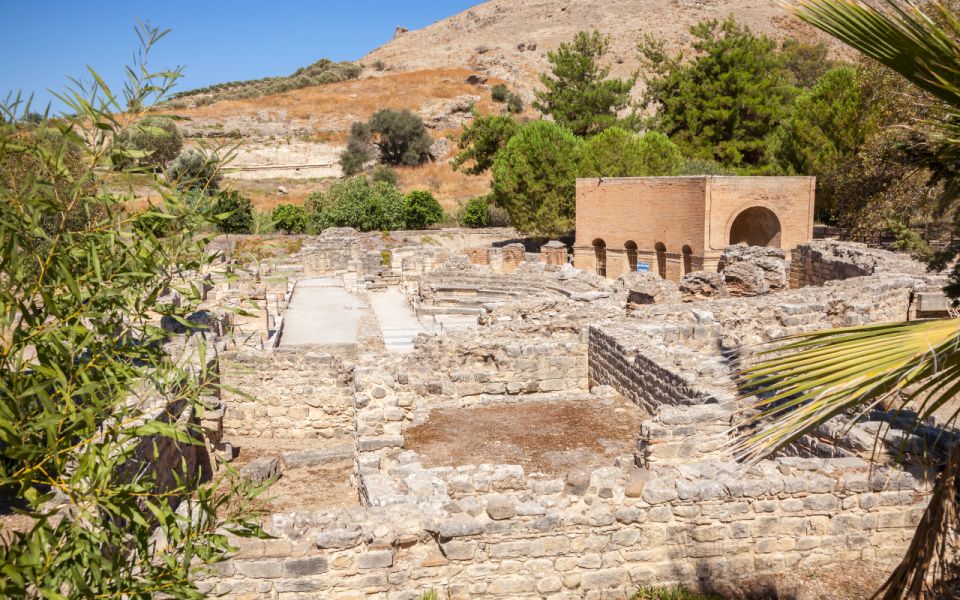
(578, 94)
(722, 104)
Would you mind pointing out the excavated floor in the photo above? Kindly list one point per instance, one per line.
(550, 437)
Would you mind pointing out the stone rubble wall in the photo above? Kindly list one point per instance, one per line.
(491, 532)
(297, 393)
(819, 261)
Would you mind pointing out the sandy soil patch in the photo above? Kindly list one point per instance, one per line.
(548, 437)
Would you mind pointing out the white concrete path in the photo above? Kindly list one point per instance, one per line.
(398, 323)
(321, 312)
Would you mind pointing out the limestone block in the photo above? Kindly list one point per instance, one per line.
(299, 567)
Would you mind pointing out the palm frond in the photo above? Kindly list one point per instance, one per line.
(902, 38)
(816, 376)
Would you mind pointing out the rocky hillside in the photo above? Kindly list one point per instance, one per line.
(509, 39)
(290, 140)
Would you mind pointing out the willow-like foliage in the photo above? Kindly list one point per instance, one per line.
(88, 393)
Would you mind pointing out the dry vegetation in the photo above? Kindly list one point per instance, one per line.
(333, 107)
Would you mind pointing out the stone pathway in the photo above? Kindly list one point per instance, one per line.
(397, 320)
(321, 312)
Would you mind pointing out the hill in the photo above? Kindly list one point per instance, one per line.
(293, 139)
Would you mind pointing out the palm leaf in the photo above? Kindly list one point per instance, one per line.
(902, 38)
(800, 385)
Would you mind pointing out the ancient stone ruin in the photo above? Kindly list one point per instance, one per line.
(491, 423)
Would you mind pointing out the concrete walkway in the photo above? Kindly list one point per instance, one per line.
(398, 323)
(321, 312)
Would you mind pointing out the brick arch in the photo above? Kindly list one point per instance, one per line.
(631, 249)
(687, 259)
(755, 226)
(661, 259)
(600, 254)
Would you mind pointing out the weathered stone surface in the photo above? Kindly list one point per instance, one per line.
(771, 261)
(745, 279)
(460, 526)
(500, 507)
(262, 469)
(703, 284)
(577, 482)
(300, 567)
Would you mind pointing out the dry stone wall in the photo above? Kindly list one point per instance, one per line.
(675, 510)
(295, 393)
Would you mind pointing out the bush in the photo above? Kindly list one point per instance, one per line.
(514, 103)
(233, 212)
(385, 174)
(474, 212)
(616, 152)
(359, 150)
(499, 93)
(151, 142)
(195, 170)
(704, 166)
(289, 218)
(358, 203)
(497, 216)
(399, 135)
(421, 209)
(534, 178)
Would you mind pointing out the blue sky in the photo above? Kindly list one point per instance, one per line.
(45, 41)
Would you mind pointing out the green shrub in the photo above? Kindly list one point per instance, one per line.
(289, 218)
(514, 103)
(534, 178)
(616, 152)
(704, 166)
(385, 174)
(195, 170)
(499, 92)
(233, 212)
(421, 209)
(670, 593)
(359, 150)
(908, 240)
(150, 142)
(474, 212)
(399, 135)
(358, 203)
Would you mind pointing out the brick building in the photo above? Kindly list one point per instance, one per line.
(674, 225)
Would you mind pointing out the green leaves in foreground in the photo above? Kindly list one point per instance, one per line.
(819, 375)
(104, 491)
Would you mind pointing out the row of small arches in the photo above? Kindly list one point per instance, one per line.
(600, 250)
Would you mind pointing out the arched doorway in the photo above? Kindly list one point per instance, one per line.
(631, 248)
(661, 259)
(687, 259)
(756, 226)
(600, 253)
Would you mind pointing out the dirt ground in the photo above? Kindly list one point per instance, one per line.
(549, 437)
(855, 581)
(316, 488)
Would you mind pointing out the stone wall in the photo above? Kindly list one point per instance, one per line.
(820, 261)
(296, 393)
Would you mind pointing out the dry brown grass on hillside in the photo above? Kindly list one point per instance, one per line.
(354, 100)
(449, 186)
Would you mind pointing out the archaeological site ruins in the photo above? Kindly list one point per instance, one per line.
(468, 417)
